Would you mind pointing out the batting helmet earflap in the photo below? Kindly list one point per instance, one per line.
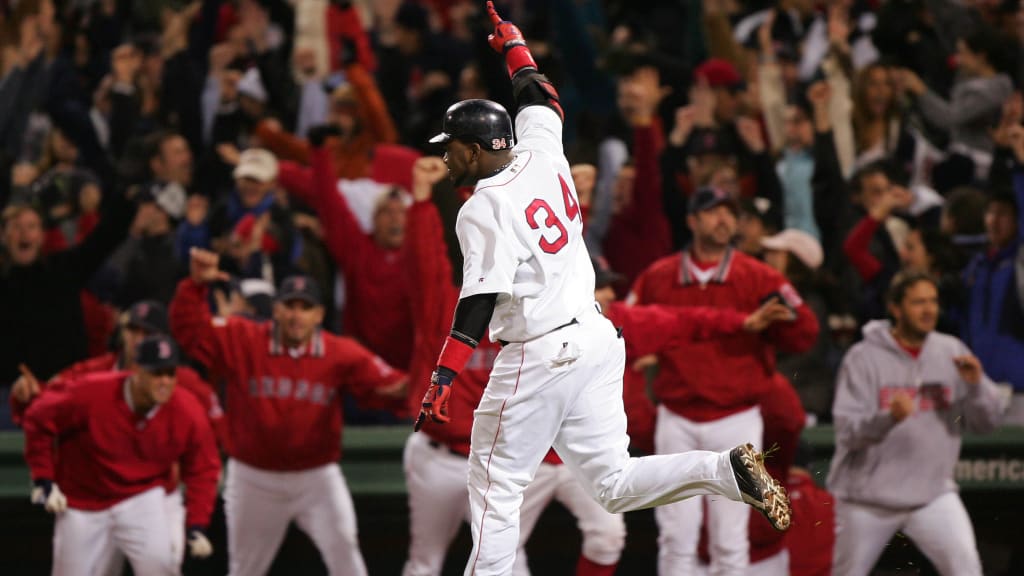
(481, 121)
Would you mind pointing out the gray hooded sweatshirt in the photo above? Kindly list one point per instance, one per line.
(908, 464)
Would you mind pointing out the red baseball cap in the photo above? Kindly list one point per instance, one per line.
(719, 73)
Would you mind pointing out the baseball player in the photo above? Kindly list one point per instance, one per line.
(284, 380)
(557, 380)
(905, 396)
(435, 456)
(143, 319)
(709, 392)
(120, 434)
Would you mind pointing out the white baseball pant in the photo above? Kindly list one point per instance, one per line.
(439, 502)
(174, 507)
(84, 541)
(564, 389)
(604, 533)
(941, 530)
(774, 565)
(679, 524)
(259, 505)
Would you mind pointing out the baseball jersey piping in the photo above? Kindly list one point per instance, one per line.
(490, 455)
(521, 170)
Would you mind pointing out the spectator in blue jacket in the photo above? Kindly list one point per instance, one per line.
(994, 324)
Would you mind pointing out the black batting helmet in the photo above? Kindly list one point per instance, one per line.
(477, 120)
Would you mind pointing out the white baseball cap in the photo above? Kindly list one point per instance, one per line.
(799, 243)
(258, 164)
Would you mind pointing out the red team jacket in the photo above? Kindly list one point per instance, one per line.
(108, 454)
(283, 407)
(709, 380)
(187, 378)
(653, 330)
(376, 288)
(433, 306)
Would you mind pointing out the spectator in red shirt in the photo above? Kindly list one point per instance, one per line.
(121, 434)
(377, 293)
(710, 391)
(284, 382)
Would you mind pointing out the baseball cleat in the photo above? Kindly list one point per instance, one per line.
(758, 488)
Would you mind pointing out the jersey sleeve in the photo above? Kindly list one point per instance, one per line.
(489, 261)
(539, 128)
(799, 335)
(220, 344)
(53, 413)
(200, 470)
(364, 375)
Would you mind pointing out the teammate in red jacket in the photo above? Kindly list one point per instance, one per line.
(143, 319)
(120, 435)
(284, 383)
(709, 392)
(376, 291)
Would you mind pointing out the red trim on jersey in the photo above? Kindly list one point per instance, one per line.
(521, 170)
(455, 354)
(480, 543)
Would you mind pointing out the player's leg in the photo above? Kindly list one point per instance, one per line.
(513, 427)
(729, 521)
(536, 498)
(438, 503)
(604, 533)
(942, 531)
(325, 512)
(257, 507)
(679, 523)
(862, 532)
(593, 441)
(774, 565)
(141, 532)
(174, 510)
(81, 542)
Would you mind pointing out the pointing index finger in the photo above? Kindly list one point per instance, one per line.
(495, 19)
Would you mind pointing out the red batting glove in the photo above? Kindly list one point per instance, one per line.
(435, 401)
(507, 39)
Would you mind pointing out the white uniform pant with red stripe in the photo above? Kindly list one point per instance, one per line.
(259, 505)
(679, 524)
(85, 541)
(564, 389)
(439, 503)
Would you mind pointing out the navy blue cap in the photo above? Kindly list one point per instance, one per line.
(706, 198)
(299, 288)
(157, 353)
(148, 315)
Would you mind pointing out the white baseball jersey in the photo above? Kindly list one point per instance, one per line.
(521, 236)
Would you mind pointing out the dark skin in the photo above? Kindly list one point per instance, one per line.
(468, 162)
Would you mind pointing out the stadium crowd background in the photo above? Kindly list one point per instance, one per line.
(862, 138)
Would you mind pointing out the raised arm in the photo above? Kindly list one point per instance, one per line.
(211, 341)
(344, 239)
(429, 266)
(535, 96)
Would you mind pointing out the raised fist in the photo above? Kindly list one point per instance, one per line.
(506, 34)
(426, 172)
(203, 267)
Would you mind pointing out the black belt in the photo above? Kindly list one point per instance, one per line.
(555, 329)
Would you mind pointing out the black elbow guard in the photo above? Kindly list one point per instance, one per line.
(532, 88)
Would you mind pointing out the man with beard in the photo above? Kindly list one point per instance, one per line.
(905, 396)
(709, 391)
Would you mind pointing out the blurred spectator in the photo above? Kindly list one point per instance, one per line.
(798, 256)
(906, 385)
(377, 310)
(976, 102)
(40, 293)
(995, 306)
